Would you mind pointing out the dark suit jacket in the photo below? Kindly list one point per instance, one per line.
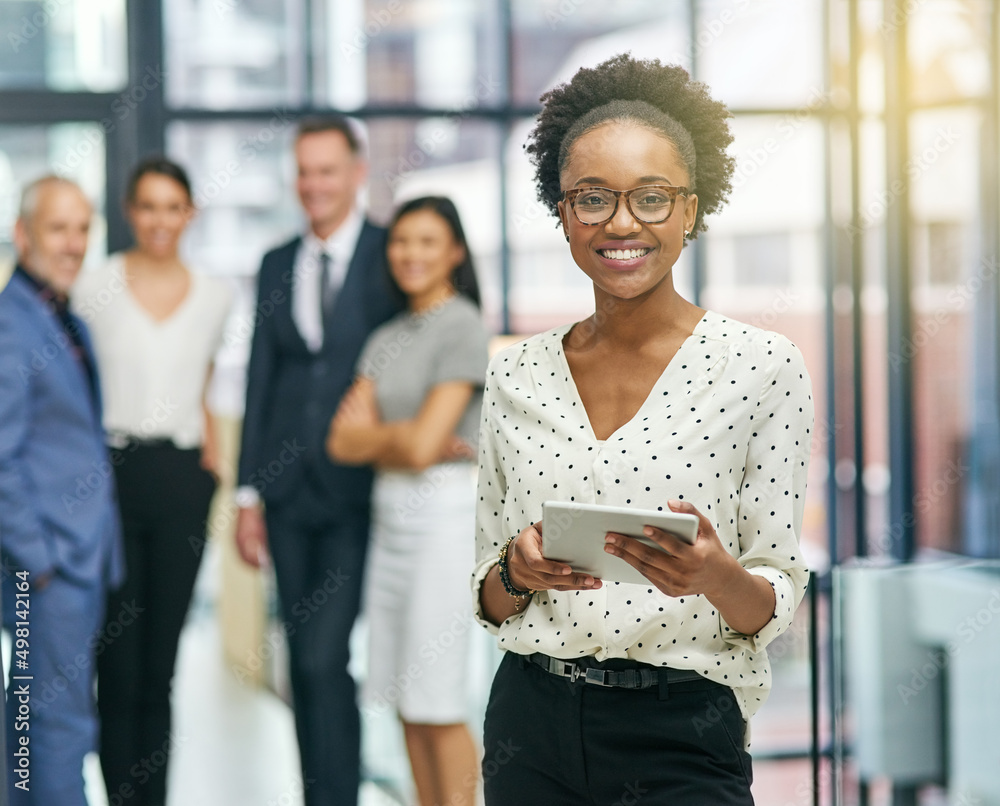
(293, 393)
(58, 509)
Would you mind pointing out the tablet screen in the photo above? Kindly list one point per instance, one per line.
(574, 534)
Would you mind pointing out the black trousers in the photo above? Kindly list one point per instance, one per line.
(164, 497)
(550, 742)
(319, 567)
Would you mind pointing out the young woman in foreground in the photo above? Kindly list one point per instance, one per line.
(650, 403)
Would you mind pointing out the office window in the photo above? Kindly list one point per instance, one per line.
(69, 45)
(763, 259)
(761, 54)
(452, 157)
(552, 38)
(73, 150)
(948, 280)
(948, 48)
(440, 54)
(768, 235)
(224, 54)
(243, 183)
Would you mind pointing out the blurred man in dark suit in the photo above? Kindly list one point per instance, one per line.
(319, 296)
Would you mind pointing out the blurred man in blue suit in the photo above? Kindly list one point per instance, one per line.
(59, 529)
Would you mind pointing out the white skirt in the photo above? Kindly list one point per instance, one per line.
(418, 599)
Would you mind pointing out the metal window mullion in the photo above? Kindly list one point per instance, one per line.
(696, 246)
(981, 536)
(902, 518)
(507, 79)
(40, 107)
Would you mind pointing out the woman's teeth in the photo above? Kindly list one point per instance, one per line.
(623, 254)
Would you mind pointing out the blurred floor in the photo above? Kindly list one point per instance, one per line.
(235, 745)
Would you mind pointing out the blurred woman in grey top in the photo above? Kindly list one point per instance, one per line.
(413, 412)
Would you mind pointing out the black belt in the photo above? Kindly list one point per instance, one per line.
(121, 442)
(642, 676)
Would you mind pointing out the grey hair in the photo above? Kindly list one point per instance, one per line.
(634, 111)
(33, 190)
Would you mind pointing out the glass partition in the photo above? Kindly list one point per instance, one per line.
(916, 699)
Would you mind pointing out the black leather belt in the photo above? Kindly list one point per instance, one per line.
(642, 676)
(121, 442)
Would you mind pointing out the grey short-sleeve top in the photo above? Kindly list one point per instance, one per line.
(413, 352)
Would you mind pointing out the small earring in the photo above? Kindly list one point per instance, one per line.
(687, 232)
(566, 234)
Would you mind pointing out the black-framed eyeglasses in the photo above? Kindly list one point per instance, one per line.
(650, 204)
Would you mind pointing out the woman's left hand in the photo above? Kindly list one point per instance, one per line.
(679, 569)
(209, 460)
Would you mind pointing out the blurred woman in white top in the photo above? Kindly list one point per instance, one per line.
(156, 326)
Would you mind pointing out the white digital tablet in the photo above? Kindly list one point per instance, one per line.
(574, 534)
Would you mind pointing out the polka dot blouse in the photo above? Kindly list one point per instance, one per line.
(726, 426)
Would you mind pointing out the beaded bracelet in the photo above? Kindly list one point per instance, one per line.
(517, 593)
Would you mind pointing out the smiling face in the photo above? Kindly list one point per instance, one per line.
(52, 242)
(624, 257)
(329, 177)
(158, 212)
(423, 255)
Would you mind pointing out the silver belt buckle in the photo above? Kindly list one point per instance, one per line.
(572, 671)
(597, 677)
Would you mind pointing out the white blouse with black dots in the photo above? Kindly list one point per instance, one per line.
(727, 426)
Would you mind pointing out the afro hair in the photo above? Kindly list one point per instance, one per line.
(667, 88)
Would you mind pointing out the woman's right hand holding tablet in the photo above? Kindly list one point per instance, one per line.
(530, 570)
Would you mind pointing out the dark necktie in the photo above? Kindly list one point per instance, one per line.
(59, 306)
(326, 292)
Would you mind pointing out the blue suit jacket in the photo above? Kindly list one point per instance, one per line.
(58, 509)
(293, 393)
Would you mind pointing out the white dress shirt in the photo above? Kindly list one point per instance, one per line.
(306, 296)
(153, 373)
(726, 427)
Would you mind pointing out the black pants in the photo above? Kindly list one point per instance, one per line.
(549, 742)
(164, 497)
(319, 567)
